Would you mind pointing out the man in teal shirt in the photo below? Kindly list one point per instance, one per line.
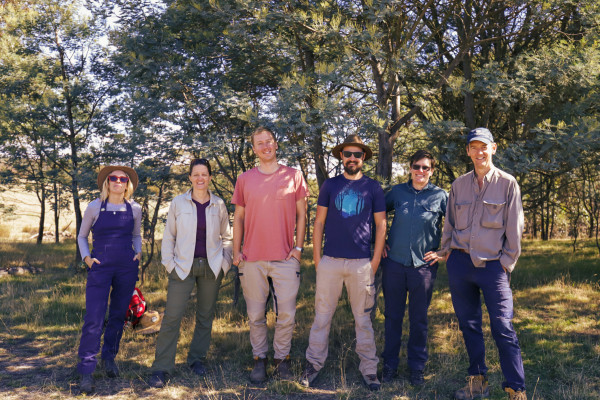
(418, 207)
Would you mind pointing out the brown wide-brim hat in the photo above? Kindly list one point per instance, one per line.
(352, 140)
(149, 323)
(104, 172)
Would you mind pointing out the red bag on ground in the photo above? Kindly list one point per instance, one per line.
(137, 307)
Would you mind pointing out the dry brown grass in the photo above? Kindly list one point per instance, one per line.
(557, 299)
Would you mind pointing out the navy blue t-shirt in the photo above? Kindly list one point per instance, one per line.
(350, 207)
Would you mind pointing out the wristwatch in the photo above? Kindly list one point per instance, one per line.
(300, 249)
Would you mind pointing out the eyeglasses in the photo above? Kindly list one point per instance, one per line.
(417, 167)
(114, 178)
(356, 154)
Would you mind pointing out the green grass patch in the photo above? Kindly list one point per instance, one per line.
(556, 296)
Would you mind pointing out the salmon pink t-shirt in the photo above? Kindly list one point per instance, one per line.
(270, 211)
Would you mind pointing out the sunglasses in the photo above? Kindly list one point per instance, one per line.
(356, 154)
(114, 178)
(417, 167)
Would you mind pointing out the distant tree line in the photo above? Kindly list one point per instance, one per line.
(153, 83)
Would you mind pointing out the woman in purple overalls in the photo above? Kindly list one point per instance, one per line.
(115, 222)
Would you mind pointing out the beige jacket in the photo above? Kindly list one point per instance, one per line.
(179, 238)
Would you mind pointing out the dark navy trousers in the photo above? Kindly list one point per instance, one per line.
(400, 282)
(467, 283)
(99, 282)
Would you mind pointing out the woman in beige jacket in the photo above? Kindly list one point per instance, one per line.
(196, 251)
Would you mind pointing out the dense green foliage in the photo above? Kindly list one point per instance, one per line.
(151, 83)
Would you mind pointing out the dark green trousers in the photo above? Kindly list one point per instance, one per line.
(178, 294)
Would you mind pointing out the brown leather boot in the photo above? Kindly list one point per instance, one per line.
(518, 395)
(282, 369)
(476, 388)
(259, 372)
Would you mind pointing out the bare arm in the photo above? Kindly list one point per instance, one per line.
(238, 233)
(300, 229)
(318, 234)
(380, 230)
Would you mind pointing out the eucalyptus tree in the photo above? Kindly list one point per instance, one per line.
(69, 101)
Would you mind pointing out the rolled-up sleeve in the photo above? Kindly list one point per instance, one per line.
(515, 221)
(168, 241)
(226, 235)
(137, 228)
(448, 224)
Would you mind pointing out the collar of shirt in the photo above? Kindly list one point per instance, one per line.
(412, 189)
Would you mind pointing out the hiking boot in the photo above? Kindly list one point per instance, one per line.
(110, 367)
(309, 375)
(476, 388)
(416, 377)
(372, 382)
(158, 379)
(388, 374)
(518, 395)
(198, 368)
(282, 369)
(259, 372)
(87, 384)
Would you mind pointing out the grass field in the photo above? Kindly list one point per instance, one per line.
(557, 317)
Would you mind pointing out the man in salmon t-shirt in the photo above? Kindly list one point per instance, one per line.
(270, 201)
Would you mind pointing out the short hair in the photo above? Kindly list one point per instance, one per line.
(106, 190)
(419, 155)
(200, 161)
(259, 130)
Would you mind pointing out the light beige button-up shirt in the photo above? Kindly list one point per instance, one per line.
(179, 238)
(487, 223)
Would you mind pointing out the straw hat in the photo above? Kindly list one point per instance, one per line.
(352, 140)
(104, 172)
(149, 323)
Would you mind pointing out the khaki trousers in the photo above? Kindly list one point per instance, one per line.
(286, 281)
(358, 277)
(178, 296)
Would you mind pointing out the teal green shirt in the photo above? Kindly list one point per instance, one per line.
(417, 225)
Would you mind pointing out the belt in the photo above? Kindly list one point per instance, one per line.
(462, 251)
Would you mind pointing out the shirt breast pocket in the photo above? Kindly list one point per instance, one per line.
(183, 216)
(493, 214)
(401, 207)
(429, 211)
(462, 215)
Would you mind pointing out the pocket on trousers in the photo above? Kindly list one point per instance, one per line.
(369, 297)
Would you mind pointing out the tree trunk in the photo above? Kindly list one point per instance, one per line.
(469, 101)
(40, 236)
(150, 230)
(319, 159)
(384, 161)
(56, 213)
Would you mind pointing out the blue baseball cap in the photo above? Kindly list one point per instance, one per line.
(481, 134)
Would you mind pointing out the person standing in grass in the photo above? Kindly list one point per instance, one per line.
(115, 222)
(348, 206)
(482, 234)
(270, 203)
(196, 251)
(419, 208)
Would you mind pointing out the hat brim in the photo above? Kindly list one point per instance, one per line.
(337, 150)
(480, 139)
(104, 172)
(152, 328)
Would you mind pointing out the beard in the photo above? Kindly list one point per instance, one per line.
(352, 168)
